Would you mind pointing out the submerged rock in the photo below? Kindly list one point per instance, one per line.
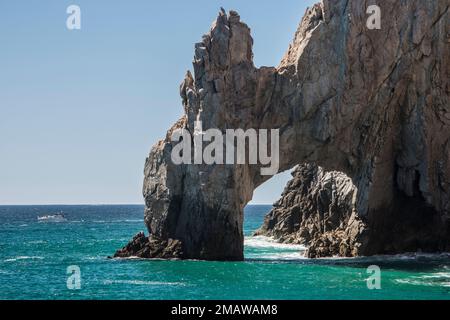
(372, 104)
(137, 247)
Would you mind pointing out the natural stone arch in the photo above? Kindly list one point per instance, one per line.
(368, 103)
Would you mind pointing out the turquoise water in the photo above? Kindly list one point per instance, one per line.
(34, 257)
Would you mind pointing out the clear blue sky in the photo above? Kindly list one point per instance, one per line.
(80, 110)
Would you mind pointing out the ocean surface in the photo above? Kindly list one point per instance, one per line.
(35, 256)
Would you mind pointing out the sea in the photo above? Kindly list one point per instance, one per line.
(69, 260)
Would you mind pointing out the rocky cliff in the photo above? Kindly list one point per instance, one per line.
(370, 104)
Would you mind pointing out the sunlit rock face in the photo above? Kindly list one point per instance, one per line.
(371, 104)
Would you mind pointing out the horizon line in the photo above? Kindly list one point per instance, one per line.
(100, 204)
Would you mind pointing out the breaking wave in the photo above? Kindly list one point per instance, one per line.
(266, 242)
(265, 248)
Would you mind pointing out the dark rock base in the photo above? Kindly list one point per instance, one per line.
(151, 248)
(317, 209)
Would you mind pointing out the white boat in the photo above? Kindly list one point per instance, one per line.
(59, 217)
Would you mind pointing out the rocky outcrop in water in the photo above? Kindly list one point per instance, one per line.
(373, 104)
(317, 209)
(150, 247)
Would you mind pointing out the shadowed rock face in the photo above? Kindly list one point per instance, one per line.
(373, 104)
(317, 209)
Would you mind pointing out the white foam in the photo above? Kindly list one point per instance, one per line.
(24, 258)
(283, 256)
(418, 282)
(437, 275)
(91, 258)
(436, 279)
(130, 258)
(273, 250)
(143, 283)
(266, 242)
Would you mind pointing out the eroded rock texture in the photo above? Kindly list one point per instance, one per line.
(373, 104)
(317, 209)
(150, 247)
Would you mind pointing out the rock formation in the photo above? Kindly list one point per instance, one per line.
(317, 209)
(149, 247)
(372, 104)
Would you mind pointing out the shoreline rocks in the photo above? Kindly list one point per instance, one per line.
(149, 247)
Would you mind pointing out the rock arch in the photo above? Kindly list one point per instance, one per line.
(373, 104)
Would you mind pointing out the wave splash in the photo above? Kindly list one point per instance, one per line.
(266, 242)
(261, 247)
